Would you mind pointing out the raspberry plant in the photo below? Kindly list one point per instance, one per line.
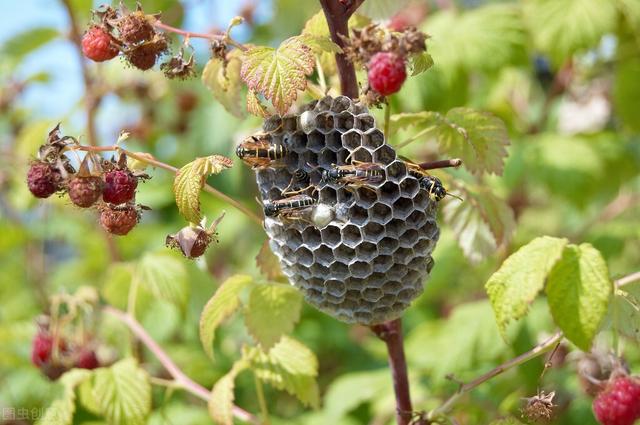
(344, 122)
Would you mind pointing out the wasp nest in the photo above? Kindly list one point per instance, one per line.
(363, 252)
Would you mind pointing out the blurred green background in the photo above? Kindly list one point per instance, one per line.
(564, 75)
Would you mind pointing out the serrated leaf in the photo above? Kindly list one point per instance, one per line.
(268, 263)
(561, 28)
(223, 80)
(123, 393)
(422, 120)
(514, 286)
(61, 411)
(255, 106)
(578, 290)
(221, 401)
(223, 303)
(420, 63)
(165, 276)
(481, 222)
(319, 44)
(279, 73)
(272, 312)
(190, 179)
(625, 311)
(288, 366)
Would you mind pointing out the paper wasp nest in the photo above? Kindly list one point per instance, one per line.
(371, 259)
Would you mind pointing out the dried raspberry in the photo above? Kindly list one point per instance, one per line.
(135, 28)
(43, 179)
(87, 359)
(120, 187)
(619, 403)
(145, 56)
(41, 349)
(85, 191)
(98, 45)
(119, 220)
(386, 73)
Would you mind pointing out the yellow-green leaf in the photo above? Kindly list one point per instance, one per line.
(272, 311)
(223, 80)
(164, 275)
(278, 73)
(514, 286)
(420, 63)
(221, 401)
(223, 303)
(579, 290)
(254, 106)
(61, 411)
(190, 179)
(268, 263)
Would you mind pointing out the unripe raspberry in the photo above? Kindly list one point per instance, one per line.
(619, 403)
(191, 241)
(120, 187)
(98, 45)
(43, 179)
(387, 72)
(41, 349)
(85, 191)
(135, 28)
(87, 359)
(119, 220)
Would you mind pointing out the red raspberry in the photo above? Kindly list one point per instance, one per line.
(98, 45)
(43, 179)
(87, 359)
(386, 73)
(41, 349)
(119, 221)
(619, 403)
(85, 191)
(120, 187)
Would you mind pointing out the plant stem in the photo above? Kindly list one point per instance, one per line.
(154, 162)
(208, 36)
(536, 351)
(387, 116)
(391, 333)
(261, 400)
(633, 277)
(337, 14)
(181, 380)
(445, 163)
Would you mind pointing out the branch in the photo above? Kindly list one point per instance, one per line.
(209, 36)
(181, 380)
(391, 334)
(536, 351)
(633, 277)
(337, 14)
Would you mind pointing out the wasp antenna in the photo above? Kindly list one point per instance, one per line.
(455, 196)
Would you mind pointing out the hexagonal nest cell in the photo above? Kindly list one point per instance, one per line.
(370, 261)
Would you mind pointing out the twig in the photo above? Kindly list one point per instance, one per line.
(633, 277)
(536, 351)
(391, 334)
(337, 14)
(181, 380)
(208, 36)
(154, 162)
(445, 163)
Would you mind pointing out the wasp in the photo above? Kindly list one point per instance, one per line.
(291, 207)
(258, 151)
(356, 174)
(430, 183)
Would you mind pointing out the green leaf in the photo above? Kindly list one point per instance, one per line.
(288, 366)
(319, 44)
(61, 411)
(350, 390)
(279, 73)
(223, 80)
(481, 223)
(579, 290)
(26, 42)
(422, 120)
(223, 303)
(514, 286)
(165, 276)
(626, 92)
(272, 311)
(190, 179)
(221, 400)
(561, 28)
(420, 63)
(625, 311)
(123, 393)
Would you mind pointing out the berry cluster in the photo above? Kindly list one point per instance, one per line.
(133, 34)
(95, 179)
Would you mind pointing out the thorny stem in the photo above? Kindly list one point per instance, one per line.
(154, 162)
(261, 401)
(188, 34)
(337, 14)
(181, 380)
(391, 333)
(536, 351)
